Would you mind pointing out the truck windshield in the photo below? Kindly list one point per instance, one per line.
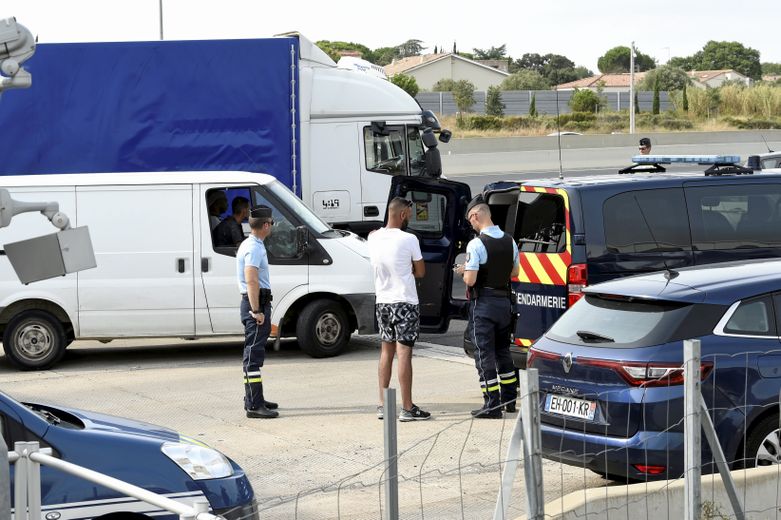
(417, 163)
(295, 205)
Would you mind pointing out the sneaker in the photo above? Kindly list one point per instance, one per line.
(379, 412)
(413, 414)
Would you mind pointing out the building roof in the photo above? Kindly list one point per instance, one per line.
(706, 75)
(409, 64)
(608, 80)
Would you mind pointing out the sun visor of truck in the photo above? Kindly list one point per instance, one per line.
(156, 106)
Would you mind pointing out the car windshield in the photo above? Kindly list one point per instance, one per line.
(610, 322)
(297, 206)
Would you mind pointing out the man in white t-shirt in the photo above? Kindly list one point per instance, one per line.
(396, 261)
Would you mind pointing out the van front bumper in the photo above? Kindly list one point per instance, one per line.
(363, 308)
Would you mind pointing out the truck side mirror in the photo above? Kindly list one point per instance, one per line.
(753, 162)
(433, 163)
(302, 240)
(445, 135)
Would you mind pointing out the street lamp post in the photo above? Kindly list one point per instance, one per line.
(631, 88)
(161, 19)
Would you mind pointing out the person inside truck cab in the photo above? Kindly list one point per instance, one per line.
(217, 204)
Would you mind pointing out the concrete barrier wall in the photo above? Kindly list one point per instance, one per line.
(759, 490)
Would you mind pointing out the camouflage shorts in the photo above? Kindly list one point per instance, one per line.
(398, 322)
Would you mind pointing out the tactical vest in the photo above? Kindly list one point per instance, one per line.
(495, 273)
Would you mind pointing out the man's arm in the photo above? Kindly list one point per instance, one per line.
(418, 268)
(253, 291)
(470, 278)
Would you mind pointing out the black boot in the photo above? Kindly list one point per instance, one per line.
(255, 405)
(491, 408)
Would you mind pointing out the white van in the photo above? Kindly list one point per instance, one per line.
(159, 273)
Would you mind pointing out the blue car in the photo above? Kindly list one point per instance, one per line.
(152, 457)
(611, 373)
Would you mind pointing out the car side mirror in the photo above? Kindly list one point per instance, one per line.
(302, 240)
(445, 135)
(753, 162)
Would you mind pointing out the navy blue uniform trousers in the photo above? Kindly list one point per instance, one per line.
(489, 321)
(255, 337)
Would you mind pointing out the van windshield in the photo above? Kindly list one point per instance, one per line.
(286, 197)
(621, 323)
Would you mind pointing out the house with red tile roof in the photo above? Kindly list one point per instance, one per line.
(608, 82)
(427, 69)
(716, 78)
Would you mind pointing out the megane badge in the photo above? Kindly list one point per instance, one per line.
(566, 362)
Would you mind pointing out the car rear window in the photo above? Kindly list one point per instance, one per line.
(618, 322)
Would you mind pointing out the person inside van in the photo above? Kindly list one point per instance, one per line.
(229, 232)
(645, 146)
(217, 204)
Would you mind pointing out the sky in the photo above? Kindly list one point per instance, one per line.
(581, 30)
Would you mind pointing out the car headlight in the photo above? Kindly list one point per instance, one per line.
(200, 462)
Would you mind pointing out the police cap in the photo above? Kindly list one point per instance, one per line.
(478, 199)
(261, 212)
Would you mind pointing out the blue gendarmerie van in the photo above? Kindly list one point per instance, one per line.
(575, 232)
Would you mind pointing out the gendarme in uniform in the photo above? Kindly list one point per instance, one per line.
(255, 311)
(494, 255)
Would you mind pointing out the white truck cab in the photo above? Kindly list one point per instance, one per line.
(160, 274)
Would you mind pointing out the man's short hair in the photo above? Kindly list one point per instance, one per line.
(398, 203)
(239, 204)
(645, 141)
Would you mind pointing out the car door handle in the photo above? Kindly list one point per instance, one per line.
(204, 265)
(180, 265)
(371, 211)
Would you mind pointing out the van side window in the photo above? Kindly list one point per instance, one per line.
(228, 210)
(282, 241)
(540, 223)
(385, 150)
(753, 318)
(646, 221)
(735, 216)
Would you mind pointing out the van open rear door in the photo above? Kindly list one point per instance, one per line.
(439, 223)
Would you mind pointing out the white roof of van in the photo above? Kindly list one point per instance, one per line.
(133, 178)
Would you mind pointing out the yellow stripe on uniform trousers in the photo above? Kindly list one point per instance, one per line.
(253, 380)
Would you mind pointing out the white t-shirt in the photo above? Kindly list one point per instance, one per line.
(392, 252)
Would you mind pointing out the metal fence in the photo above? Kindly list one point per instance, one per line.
(517, 102)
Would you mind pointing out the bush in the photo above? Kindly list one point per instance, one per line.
(493, 102)
(753, 124)
(406, 83)
(585, 101)
(444, 85)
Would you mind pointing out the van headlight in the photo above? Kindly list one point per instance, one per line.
(200, 462)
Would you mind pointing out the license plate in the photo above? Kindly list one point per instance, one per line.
(570, 406)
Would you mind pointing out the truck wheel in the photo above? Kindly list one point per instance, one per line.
(323, 329)
(34, 340)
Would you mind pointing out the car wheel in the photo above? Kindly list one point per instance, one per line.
(34, 340)
(323, 329)
(763, 445)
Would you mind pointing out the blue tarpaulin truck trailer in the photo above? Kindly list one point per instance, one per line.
(275, 105)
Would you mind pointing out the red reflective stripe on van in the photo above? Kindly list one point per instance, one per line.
(528, 269)
(551, 270)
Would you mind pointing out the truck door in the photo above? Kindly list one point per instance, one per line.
(439, 223)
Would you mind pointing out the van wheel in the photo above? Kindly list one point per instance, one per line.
(34, 340)
(763, 445)
(323, 329)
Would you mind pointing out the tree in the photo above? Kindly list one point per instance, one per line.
(669, 77)
(525, 80)
(655, 108)
(730, 55)
(464, 95)
(410, 48)
(637, 104)
(555, 68)
(494, 53)
(385, 55)
(723, 55)
(685, 102)
(584, 101)
(334, 49)
(406, 83)
(771, 68)
(533, 106)
(444, 85)
(618, 58)
(435, 50)
(493, 102)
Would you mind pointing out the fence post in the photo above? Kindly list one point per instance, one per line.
(510, 468)
(33, 483)
(532, 443)
(692, 428)
(440, 104)
(20, 482)
(5, 481)
(391, 456)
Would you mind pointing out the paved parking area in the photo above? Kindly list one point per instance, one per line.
(328, 433)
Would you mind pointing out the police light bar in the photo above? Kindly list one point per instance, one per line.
(690, 159)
